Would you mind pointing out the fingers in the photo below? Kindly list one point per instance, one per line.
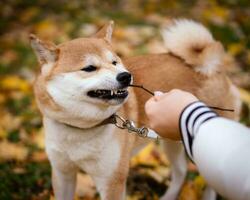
(172, 95)
(157, 96)
(149, 105)
(158, 93)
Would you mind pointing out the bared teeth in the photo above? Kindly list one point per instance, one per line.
(121, 91)
(108, 94)
(111, 92)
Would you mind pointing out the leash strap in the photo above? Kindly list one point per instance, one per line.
(150, 92)
(129, 125)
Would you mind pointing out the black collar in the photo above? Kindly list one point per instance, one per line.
(109, 120)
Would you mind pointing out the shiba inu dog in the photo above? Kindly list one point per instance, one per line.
(83, 82)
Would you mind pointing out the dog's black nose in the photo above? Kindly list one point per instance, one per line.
(124, 78)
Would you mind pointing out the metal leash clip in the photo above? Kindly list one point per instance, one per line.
(130, 126)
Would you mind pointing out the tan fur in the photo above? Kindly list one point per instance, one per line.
(148, 71)
(156, 72)
(193, 43)
(70, 59)
(42, 96)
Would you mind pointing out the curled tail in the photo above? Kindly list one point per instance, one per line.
(193, 43)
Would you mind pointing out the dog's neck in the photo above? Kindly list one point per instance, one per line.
(109, 120)
(62, 134)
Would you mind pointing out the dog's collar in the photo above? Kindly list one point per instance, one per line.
(109, 120)
(121, 123)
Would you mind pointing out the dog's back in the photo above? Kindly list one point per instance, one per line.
(193, 62)
(164, 72)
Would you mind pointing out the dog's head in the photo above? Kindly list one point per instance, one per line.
(81, 82)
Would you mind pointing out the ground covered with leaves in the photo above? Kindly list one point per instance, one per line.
(24, 168)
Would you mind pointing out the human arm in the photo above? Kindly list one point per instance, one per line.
(219, 147)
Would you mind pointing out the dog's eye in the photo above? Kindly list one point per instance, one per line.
(89, 68)
(114, 62)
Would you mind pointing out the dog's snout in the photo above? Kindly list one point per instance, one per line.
(124, 78)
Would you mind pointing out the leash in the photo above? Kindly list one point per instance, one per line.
(129, 125)
(143, 131)
(122, 123)
(150, 92)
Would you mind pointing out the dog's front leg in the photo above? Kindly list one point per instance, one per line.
(63, 184)
(110, 179)
(63, 175)
(112, 188)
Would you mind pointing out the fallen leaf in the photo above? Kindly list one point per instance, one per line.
(14, 82)
(188, 192)
(11, 151)
(39, 156)
(38, 138)
(3, 133)
(47, 29)
(245, 96)
(85, 186)
(9, 122)
(235, 48)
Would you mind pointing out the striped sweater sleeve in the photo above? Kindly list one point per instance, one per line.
(192, 117)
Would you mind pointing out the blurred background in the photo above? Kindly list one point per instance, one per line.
(24, 169)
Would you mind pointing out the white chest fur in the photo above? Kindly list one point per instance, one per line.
(84, 147)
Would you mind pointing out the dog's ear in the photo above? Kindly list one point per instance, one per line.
(46, 52)
(106, 32)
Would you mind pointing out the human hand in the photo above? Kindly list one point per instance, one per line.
(164, 110)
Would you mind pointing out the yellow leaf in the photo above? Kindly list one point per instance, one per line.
(150, 155)
(38, 139)
(144, 156)
(10, 151)
(39, 156)
(2, 98)
(47, 29)
(119, 33)
(217, 14)
(199, 183)
(15, 83)
(188, 192)
(235, 48)
(221, 12)
(9, 122)
(3, 133)
(245, 96)
(89, 189)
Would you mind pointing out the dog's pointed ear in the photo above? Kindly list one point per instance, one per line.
(106, 32)
(46, 52)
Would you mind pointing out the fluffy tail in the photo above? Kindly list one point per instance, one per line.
(193, 43)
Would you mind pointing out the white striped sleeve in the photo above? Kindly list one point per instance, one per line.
(192, 117)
